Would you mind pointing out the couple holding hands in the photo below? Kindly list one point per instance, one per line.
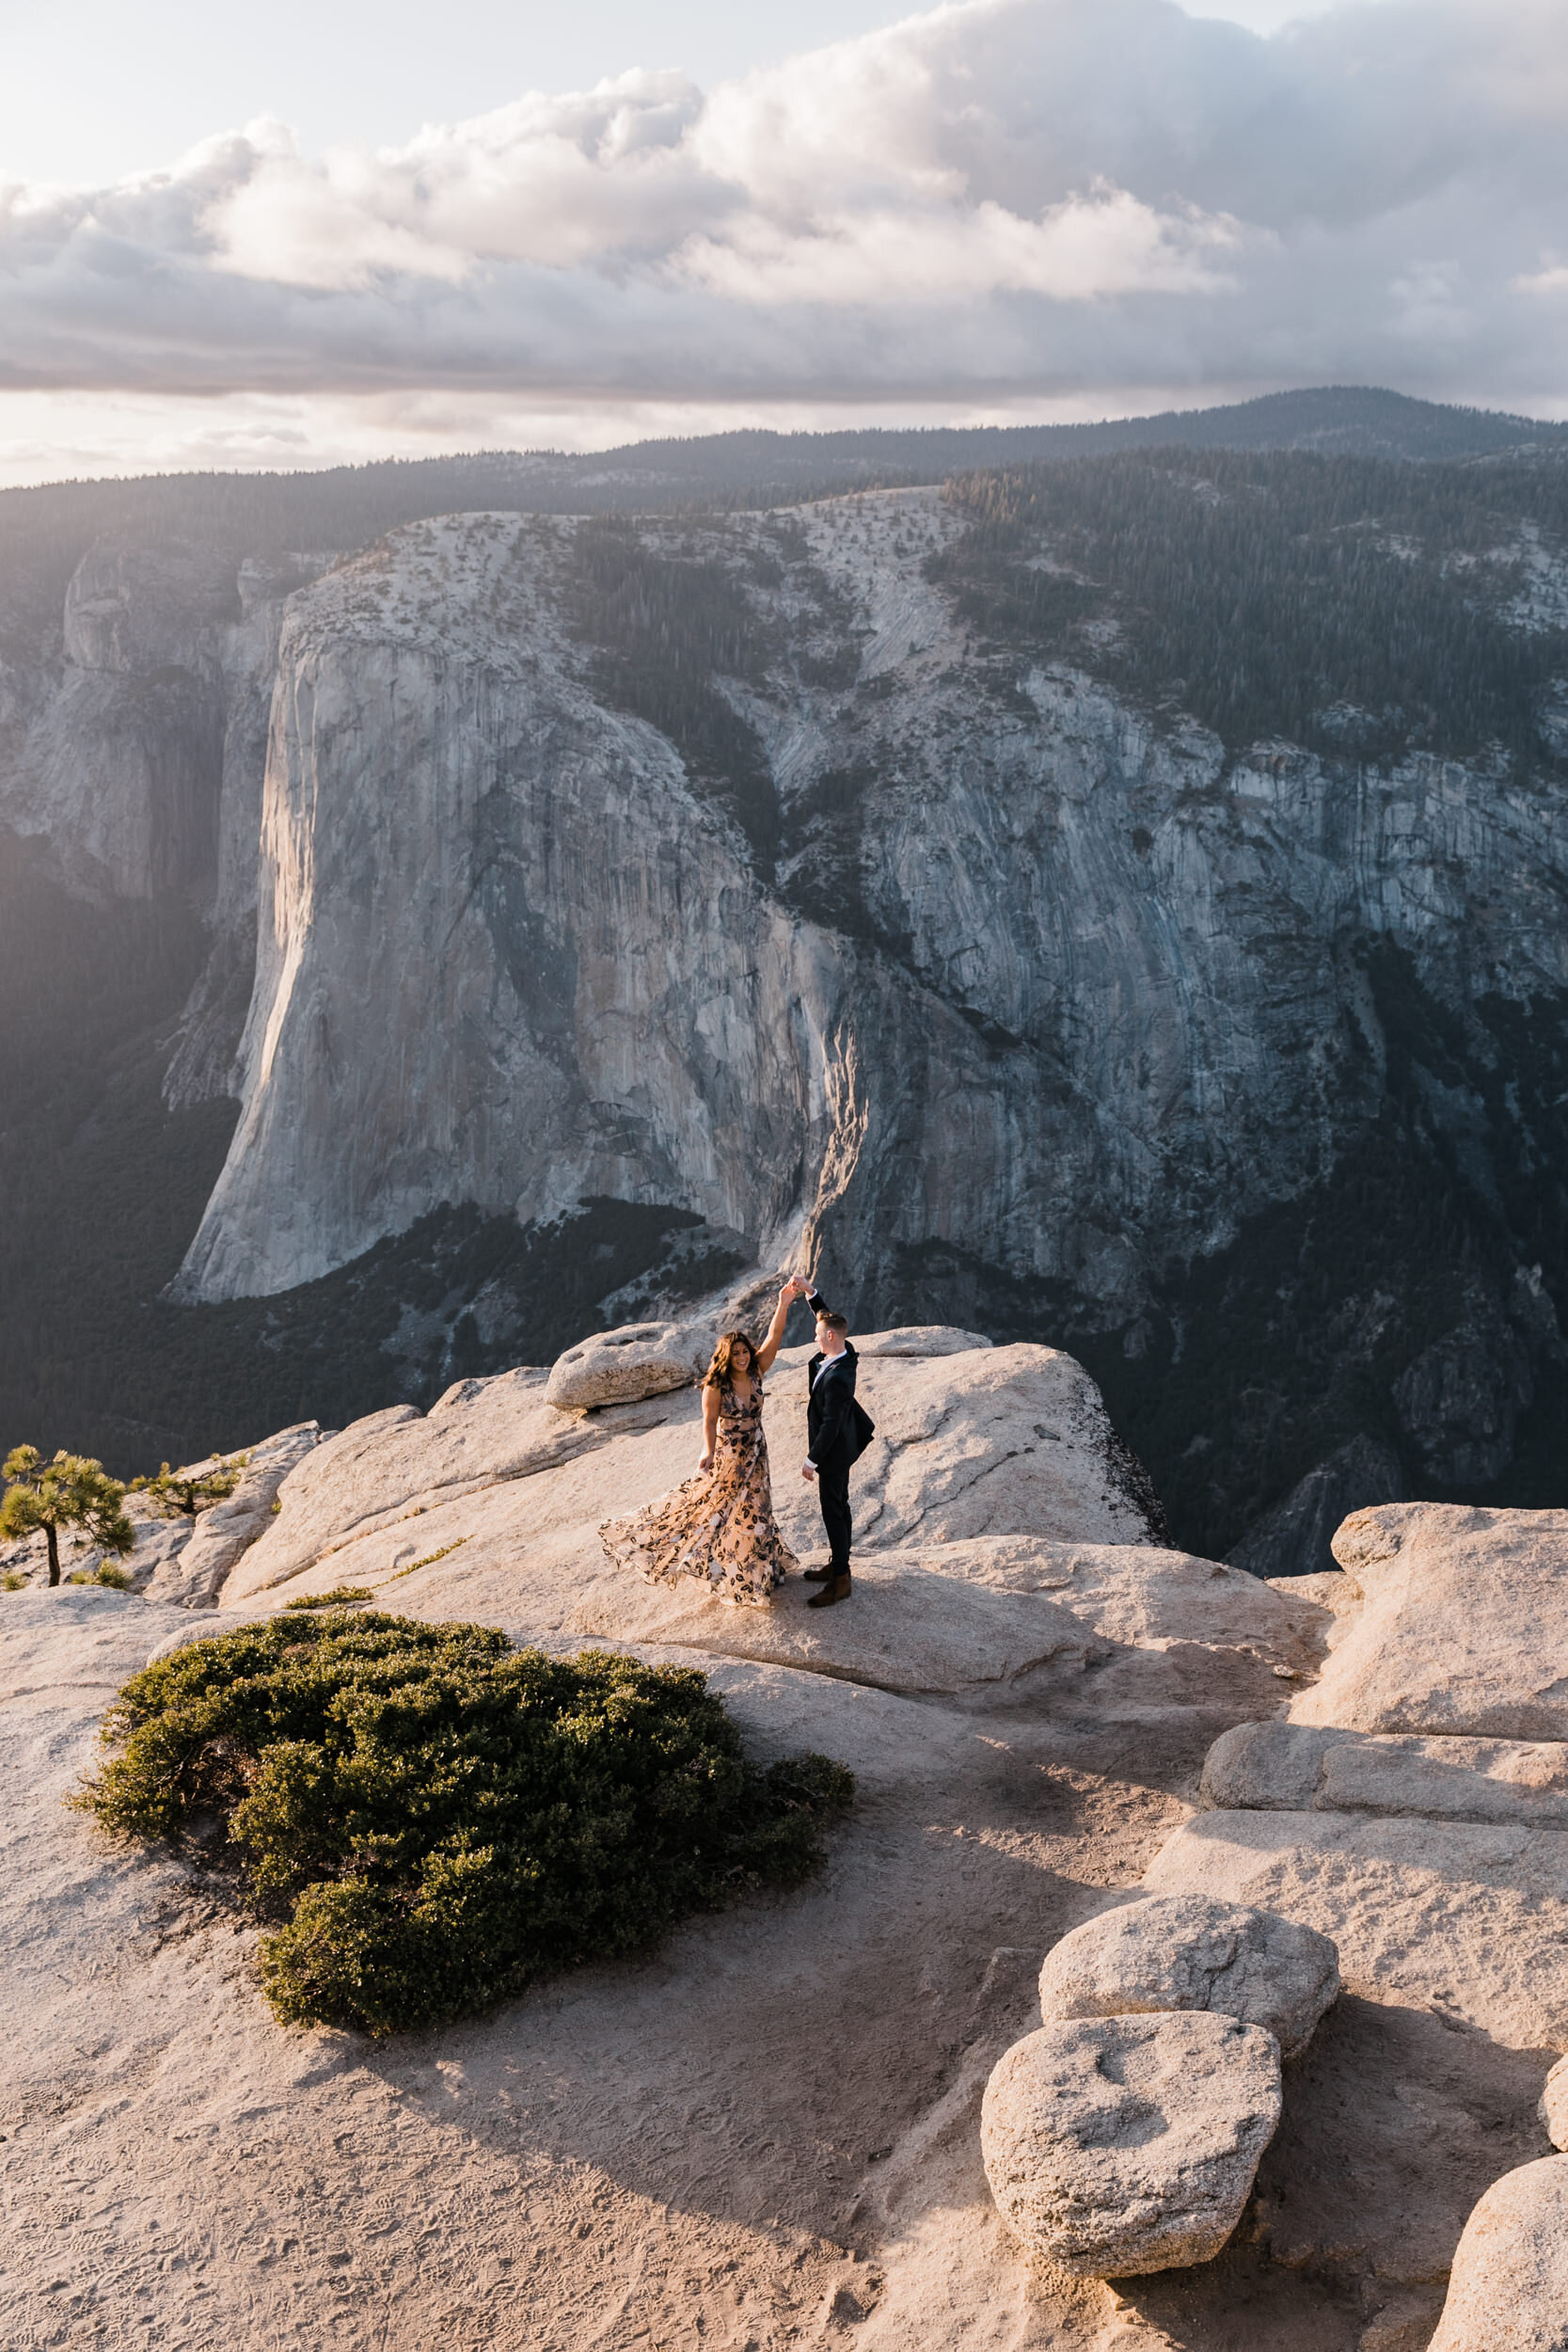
(718, 1526)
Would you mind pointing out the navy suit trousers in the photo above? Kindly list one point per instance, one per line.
(832, 1491)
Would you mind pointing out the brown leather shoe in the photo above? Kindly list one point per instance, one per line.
(839, 1589)
(818, 1576)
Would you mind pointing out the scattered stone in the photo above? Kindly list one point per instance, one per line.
(1118, 2145)
(1192, 1952)
(1464, 1627)
(1507, 2290)
(1553, 2109)
(1272, 1767)
(621, 1367)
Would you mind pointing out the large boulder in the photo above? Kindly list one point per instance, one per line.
(1464, 1627)
(1554, 2105)
(919, 1339)
(990, 1441)
(1507, 2290)
(621, 1367)
(381, 1474)
(1146, 1596)
(1194, 1953)
(1117, 2145)
(909, 1630)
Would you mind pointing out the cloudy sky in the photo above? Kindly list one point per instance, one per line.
(360, 230)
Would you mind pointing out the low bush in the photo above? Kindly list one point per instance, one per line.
(431, 1818)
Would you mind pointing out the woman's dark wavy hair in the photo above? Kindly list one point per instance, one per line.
(720, 1373)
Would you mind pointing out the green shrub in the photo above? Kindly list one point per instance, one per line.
(433, 1819)
(12, 1582)
(105, 1573)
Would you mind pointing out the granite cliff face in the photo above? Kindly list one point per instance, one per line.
(1087, 1003)
(745, 866)
(135, 738)
(503, 955)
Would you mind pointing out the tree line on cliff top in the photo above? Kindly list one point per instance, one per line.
(1355, 607)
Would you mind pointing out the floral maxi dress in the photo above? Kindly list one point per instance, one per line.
(718, 1526)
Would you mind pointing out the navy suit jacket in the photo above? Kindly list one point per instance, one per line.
(837, 1430)
(830, 1416)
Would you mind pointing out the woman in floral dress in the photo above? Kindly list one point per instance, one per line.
(718, 1526)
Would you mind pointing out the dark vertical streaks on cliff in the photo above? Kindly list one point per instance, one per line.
(537, 956)
(667, 628)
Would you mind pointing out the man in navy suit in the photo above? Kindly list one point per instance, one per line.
(837, 1430)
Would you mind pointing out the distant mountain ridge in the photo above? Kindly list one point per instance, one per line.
(346, 506)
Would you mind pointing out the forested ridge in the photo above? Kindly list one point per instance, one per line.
(45, 531)
(1342, 603)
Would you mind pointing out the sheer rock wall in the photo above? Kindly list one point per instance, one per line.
(1070, 992)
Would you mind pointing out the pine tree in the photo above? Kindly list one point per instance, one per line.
(70, 1492)
(181, 1494)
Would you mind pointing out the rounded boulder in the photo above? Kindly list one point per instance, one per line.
(1507, 2289)
(1120, 2145)
(624, 1366)
(1194, 1953)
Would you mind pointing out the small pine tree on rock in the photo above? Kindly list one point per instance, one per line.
(69, 1493)
(181, 1494)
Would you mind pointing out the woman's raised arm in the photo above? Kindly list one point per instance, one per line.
(792, 1290)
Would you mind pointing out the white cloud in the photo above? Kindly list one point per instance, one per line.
(1006, 201)
(1552, 281)
(1104, 242)
(610, 177)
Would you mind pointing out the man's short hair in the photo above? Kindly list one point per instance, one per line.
(835, 1322)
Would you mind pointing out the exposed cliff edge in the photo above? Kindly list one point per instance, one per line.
(784, 872)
